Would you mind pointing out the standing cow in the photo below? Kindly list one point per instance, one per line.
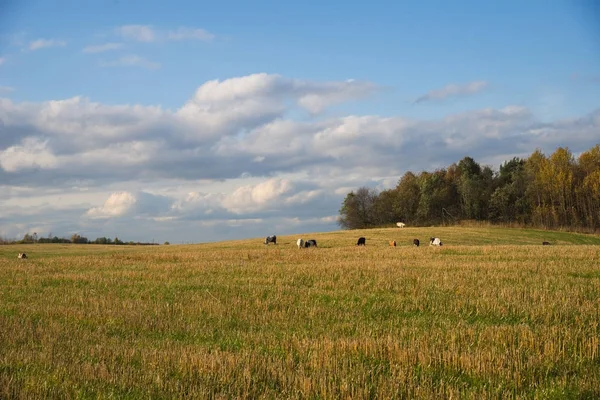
(310, 243)
(361, 241)
(416, 242)
(400, 224)
(435, 241)
(271, 239)
(300, 243)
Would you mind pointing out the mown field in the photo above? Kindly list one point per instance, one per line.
(490, 315)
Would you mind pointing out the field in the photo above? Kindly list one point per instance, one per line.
(490, 315)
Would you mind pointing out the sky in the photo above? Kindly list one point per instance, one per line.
(191, 121)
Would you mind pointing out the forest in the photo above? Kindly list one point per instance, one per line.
(559, 191)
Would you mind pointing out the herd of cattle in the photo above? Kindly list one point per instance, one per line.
(434, 241)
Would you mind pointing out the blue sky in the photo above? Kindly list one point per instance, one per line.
(408, 69)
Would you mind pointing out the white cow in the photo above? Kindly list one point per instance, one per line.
(435, 241)
(400, 224)
(300, 243)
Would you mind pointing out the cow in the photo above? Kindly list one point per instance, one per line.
(271, 239)
(416, 242)
(22, 255)
(400, 224)
(545, 243)
(310, 243)
(361, 241)
(435, 241)
(392, 243)
(300, 243)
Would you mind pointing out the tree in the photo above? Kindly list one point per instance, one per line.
(408, 195)
(76, 238)
(357, 209)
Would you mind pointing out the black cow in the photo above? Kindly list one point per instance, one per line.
(361, 241)
(310, 243)
(416, 242)
(545, 243)
(271, 239)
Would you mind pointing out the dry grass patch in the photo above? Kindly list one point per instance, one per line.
(240, 319)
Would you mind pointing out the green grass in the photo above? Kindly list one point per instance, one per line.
(491, 314)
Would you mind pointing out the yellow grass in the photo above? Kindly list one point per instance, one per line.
(473, 319)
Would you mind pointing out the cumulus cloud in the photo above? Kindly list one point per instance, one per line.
(45, 43)
(30, 154)
(453, 90)
(116, 205)
(131, 60)
(124, 203)
(101, 48)
(251, 198)
(149, 34)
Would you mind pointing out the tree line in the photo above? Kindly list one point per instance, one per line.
(556, 191)
(75, 238)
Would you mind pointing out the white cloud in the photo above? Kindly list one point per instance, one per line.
(251, 198)
(131, 60)
(31, 153)
(116, 205)
(453, 90)
(46, 43)
(6, 89)
(149, 34)
(101, 48)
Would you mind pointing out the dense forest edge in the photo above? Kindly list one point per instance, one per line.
(548, 192)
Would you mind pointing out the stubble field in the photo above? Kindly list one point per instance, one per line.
(491, 314)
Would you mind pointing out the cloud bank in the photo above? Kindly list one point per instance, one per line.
(245, 156)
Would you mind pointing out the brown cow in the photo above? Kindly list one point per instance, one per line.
(392, 243)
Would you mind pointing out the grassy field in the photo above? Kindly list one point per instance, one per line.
(490, 315)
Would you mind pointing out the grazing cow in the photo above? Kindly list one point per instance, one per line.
(435, 241)
(361, 241)
(392, 243)
(22, 255)
(310, 243)
(271, 239)
(416, 242)
(545, 243)
(400, 224)
(300, 243)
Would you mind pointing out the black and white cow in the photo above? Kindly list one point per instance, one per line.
(435, 242)
(416, 242)
(22, 255)
(310, 243)
(300, 243)
(271, 239)
(361, 241)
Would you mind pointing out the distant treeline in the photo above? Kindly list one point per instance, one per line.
(559, 191)
(77, 239)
